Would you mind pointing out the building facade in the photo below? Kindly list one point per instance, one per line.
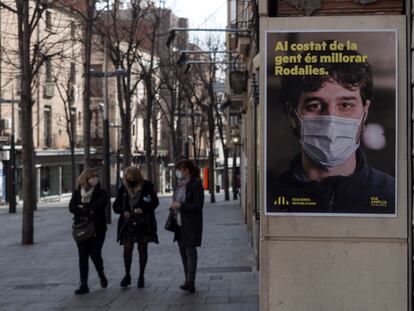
(57, 94)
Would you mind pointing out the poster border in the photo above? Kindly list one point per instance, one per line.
(354, 215)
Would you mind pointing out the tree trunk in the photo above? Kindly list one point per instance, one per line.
(147, 137)
(87, 115)
(29, 179)
(73, 163)
(155, 177)
(70, 128)
(173, 129)
(211, 156)
(173, 144)
(126, 125)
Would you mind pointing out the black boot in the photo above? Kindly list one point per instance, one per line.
(188, 287)
(104, 280)
(83, 289)
(141, 282)
(126, 281)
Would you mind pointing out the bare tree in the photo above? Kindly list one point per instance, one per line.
(64, 79)
(88, 20)
(207, 75)
(174, 89)
(220, 128)
(149, 67)
(125, 40)
(197, 98)
(32, 53)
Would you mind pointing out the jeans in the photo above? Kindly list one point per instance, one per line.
(90, 248)
(189, 258)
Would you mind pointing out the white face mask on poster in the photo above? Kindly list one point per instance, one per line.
(328, 140)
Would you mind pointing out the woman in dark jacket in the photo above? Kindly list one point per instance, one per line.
(188, 201)
(88, 202)
(136, 201)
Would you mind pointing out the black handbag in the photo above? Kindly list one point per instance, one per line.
(83, 230)
(171, 223)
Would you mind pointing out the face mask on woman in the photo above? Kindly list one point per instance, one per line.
(179, 174)
(93, 181)
(132, 183)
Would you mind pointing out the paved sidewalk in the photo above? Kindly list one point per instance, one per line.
(44, 276)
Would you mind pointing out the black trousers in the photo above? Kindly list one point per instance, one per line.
(91, 248)
(189, 259)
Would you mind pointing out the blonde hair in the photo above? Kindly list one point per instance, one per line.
(85, 176)
(135, 173)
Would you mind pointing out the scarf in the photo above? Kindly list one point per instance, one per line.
(86, 194)
(180, 197)
(133, 195)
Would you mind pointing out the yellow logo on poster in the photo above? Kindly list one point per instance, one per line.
(375, 201)
(303, 202)
(281, 200)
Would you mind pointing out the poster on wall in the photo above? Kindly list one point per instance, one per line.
(330, 123)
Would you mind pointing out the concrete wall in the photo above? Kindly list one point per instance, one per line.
(339, 263)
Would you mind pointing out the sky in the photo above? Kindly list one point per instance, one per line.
(210, 13)
(201, 13)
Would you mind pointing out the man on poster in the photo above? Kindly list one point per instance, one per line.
(328, 115)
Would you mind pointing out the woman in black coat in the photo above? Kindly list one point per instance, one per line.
(88, 202)
(136, 201)
(188, 201)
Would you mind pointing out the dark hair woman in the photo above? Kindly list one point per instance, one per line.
(188, 201)
(88, 202)
(136, 201)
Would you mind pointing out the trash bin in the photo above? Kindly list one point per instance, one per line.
(218, 188)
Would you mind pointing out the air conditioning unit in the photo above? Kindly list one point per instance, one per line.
(49, 89)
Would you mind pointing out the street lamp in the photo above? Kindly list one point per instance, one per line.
(12, 175)
(106, 156)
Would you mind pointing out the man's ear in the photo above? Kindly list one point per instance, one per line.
(293, 119)
(366, 109)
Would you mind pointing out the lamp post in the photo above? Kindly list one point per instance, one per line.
(118, 157)
(106, 155)
(12, 168)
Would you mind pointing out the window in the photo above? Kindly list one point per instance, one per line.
(48, 20)
(72, 30)
(73, 122)
(47, 126)
(97, 83)
(48, 70)
(72, 73)
(49, 85)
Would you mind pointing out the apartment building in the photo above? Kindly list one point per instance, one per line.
(57, 94)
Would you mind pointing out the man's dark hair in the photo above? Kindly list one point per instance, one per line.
(348, 75)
